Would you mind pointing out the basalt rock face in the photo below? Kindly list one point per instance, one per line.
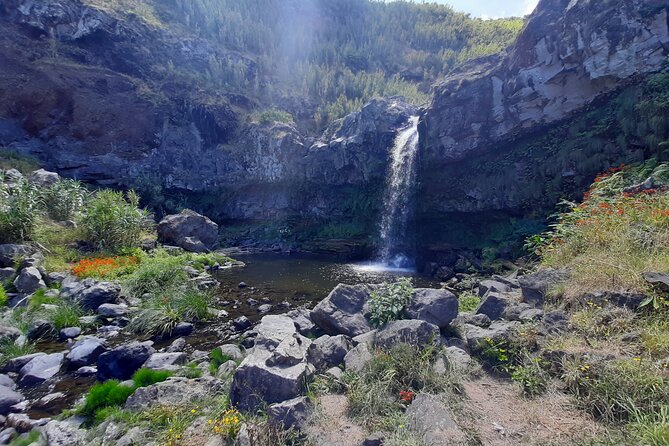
(498, 138)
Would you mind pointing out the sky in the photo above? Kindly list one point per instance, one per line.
(492, 9)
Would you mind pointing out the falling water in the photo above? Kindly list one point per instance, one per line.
(397, 202)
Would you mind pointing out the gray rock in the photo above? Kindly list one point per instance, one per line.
(43, 178)
(29, 280)
(514, 310)
(535, 286)
(531, 315)
(85, 352)
(438, 307)
(123, 361)
(493, 305)
(328, 351)
(554, 322)
(458, 359)
(8, 333)
(13, 176)
(242, 323)
(493, 286)
(291, 414)
(7, 435)
(86, 371)
(334, 372)
(165, 361)
(343, 311)
(69, 333)
(112, 310)
(480, 320)
(6, 381)
(368, 338)
(232, 351)
(264, 308)
(498, 331)
(48, 402)
(64, 433)
(375, 439)
(444, 273)
(408, 331)
(358, 357)
(136, 436)
(89, 293)
(275, 368)
(178, 345)
(430, 419)
(6, 273)
(658, 280)
(191, 244)
(10, 253)
(226, 369)
(183, 329)
(40, 369)
(175, 391)
(186, 229)
(302, 319)
(55, 278)
(8, 398)
(40, 329)
(15, 364)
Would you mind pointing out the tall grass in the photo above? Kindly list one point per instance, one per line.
(64, 200)
(19, 209)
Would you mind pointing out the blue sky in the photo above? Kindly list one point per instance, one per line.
(493, 8)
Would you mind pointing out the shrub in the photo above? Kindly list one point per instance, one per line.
(531, 376)
(65, 315)
(272, 115)
(217, 359)
(3, 296)
(147, 377)
(388, 302)
(113, 221)
(64, 200)
(107, 394)
(468, 301)
(160, 273)
(19, 209)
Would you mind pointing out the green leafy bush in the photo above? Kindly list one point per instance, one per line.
(158, 274)
(107, 394)
(147, 377)
(64, 200)
(113, 221)
(217, 359)
(271, 115)
(3, 296)
(468, 301)
(65, 315)
(19, 210)
(388, 302)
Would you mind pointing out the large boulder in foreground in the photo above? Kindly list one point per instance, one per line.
(275, 369)
(123, 361)
(407, 331)
(176, 391)
(438, 307)
(89, 294)
(188, 230)
(40, 369)
(343, 311)
(9, 253)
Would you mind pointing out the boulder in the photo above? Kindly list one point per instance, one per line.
(535, 286)
(40, 369)
(438, 307)
(6, 273)
(64, 433)
(343, 311)
(188, 230)
(477, 337)
(408, 331)
(112, 310)
(15, 364)
(432, 421)
(123, 361)
(328, 351)
(175, 391)
(458, 359)
(28, 281)
(43, 178)
(8, 333)
(165, 361)
(275, 369)
(493, 286)
(291, 414)
(7, 381)
(69, 333)
(302, 319)
(242, 323)
(10, 253)
(493, 305)
(89, 293)
(658, 280)
(13, 175)
(8, 398)
(358, 357)
(232, 351)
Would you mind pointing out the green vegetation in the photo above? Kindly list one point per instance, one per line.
(217, 359)
(26, 439)
(10, 350)
(3, 296)
(113, 221)
(65, 315)
(468, 301)
(387, 303)
(113, 393)
(19, 209)
(64, 200)
(272, 115)
(13, 160)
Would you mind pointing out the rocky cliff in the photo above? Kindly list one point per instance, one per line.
(514, 133)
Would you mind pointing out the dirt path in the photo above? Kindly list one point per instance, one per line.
(331, 426)
(499, 416)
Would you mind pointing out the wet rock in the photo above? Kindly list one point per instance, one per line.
(493, 305)
(188, 228)
(43, 178)
(40, 369)
(358, 357)
(535, 286)
(112, 310)
(328, 351)
(176, 391)
(343, 311)
(165, 361)
(9, 253)
(242, 323)
(276, 367)
(408, 331)
(6, 273)
(431, 420)
(15, 364)
(123, 361)
(375, 439)
(85, 352)
(29, 280)
(437, 307)
(291, 414)
(89, 293)
(8, 398)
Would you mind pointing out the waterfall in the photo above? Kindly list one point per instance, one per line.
(398, 205)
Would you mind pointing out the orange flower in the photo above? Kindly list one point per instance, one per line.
(407, 396)
(102, 267)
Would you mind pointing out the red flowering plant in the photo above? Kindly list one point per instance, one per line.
(105, 267)
(407, 396)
